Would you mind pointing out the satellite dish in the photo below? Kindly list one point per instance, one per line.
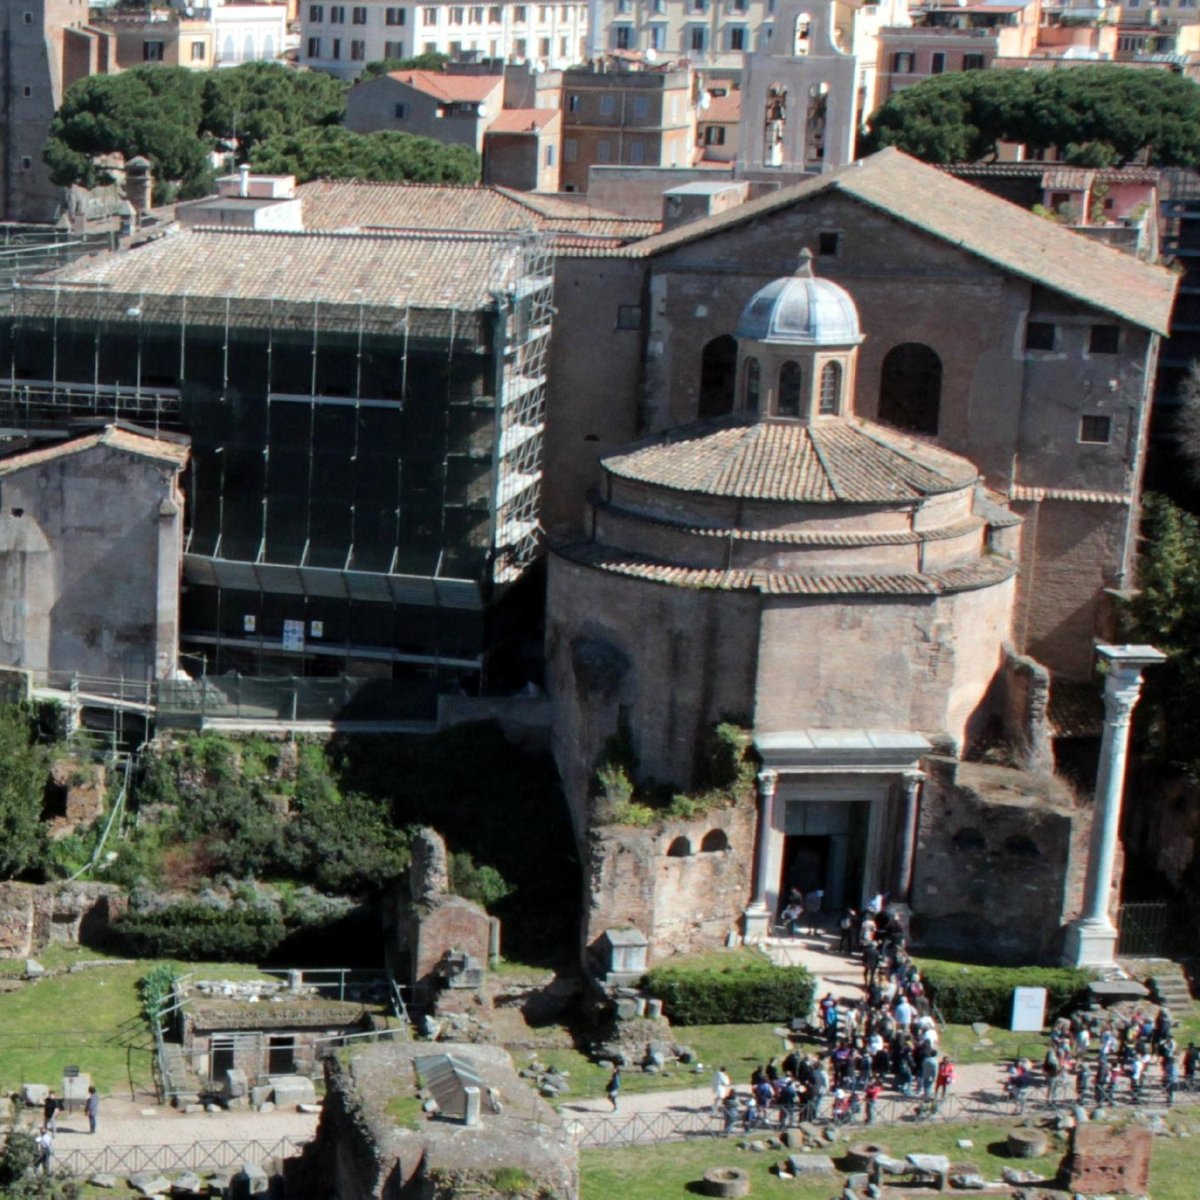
(706, 100)
(651, 55)
(481, 110)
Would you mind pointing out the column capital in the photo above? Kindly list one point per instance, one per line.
(768, 780)
(1121, 692)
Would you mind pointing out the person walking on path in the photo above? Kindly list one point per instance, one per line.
(613, 1089)
(945, 1077)
(45, 1151)
(721, 1084)
(50, 1107)
(91, 1109)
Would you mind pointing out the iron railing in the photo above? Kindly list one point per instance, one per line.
(190, 1156)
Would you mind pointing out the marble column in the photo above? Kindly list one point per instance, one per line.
(757, 917)
(1092, 939)
(910, 806)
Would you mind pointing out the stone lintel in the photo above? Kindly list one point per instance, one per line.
(864, 750)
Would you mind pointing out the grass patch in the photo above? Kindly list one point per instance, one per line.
(91, 1019)
(406, 1111)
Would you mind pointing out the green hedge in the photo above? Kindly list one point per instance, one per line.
(963, 994)
(747, 991)
(197, 932)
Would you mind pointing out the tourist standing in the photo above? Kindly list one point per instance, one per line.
(91, 1109)
(50, 1107)
(613, 1089)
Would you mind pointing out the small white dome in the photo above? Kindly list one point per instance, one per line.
(801, 310)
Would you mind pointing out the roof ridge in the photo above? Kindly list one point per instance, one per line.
(876, 435)
(830, 474)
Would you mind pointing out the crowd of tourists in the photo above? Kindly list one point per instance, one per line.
(888, 1039)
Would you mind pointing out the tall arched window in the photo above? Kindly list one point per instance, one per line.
(718, 376)
(910, 388)
(831, 390)
(790, 380)
(752, 386)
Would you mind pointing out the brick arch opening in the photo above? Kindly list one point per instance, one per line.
(910, 388)
(679, 848)
(718, 377)
(714, 840)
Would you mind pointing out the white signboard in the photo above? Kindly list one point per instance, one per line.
(293, 635)
(1029, 1009)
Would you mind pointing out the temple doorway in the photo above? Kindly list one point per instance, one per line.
(825, 846)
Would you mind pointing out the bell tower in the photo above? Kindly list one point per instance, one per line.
(800, 94)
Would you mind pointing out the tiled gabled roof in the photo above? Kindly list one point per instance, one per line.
(850, 461)
(984, 225)
(522, 120)
(451, 89)
(173, 453)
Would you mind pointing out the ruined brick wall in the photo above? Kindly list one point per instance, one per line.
(448, 923)
(1108, 1161)
(1024, 696)
(1001, 856)
(34, 915)
(663, 882)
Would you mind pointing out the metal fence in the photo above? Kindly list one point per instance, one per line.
(603, 1130)
(1157, 929)
(190, 1156)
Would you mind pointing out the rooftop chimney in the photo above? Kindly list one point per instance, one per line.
(139, 184)
(244, 180)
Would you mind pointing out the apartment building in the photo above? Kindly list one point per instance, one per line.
(342, 38)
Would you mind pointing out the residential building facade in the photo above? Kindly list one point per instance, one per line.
(342, 38)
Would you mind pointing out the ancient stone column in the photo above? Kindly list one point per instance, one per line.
(911, 781)
(757, 916)
(1092, 939)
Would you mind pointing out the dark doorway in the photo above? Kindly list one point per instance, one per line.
(910, 388)
(281, 1054)
(718, 376)
(220, 1058)
(805, 865)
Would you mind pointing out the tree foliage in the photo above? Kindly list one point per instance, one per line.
(176, 118)
(1167, 615)
(24, 769)
(422, 62)
(1097, 115)
(386, 157)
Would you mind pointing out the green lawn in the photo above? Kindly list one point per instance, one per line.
(91, 1019)
(665, 1172)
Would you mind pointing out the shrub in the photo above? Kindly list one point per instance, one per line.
(746, 991)
(479, 882)
(964, 994)
(199, 932)
(156, 988)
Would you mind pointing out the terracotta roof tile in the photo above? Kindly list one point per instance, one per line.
(172, 452)
(722, 110)
(985, 572)
(522, 120)
(421, 270)
(994, 230)
(850, 461)
(461, 89)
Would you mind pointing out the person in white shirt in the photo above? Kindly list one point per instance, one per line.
(721, 1084)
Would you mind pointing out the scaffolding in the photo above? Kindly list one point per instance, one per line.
(365, 477)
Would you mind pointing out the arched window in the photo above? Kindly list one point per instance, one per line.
(910, 388)
(790, 380)
(831, 390)
(718, 377)
(714, 840)
(752, 387)
(800, 34)
(774, 124)
(679, 848)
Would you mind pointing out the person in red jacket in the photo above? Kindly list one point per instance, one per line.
(945, 1077)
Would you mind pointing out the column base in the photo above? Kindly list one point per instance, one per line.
(756, 923)
(1091, 943)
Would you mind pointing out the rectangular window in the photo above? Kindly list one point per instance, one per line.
(607, 105)
(624, 7)
(314, 47)
(570, 150)
(316, 13)
(714, 135)
(519, 14)
(543, 14)
(337, 14)
(549, 156)
(358, 50)
(697, 6)
(519, 48)
(457, 16)
(26, 163)
(737, 37)
(1105, 339)
(902, 62)
(337, 48)
(602, 151)
(564, 13)
(572, 104)
(828, 244)
(641, 106)
(429, 16)
(477, 16)
(1096, 431)
(937, 64)
(27, 92)
(28, 18)
(973, 62)
(400, 112)
(698, 37)
(495, 16)
(629, 316)
(637, 153)
(544, 47)
(395, 16)
(1039, 335)
(358, 14)
(660, 7)
(199, 52)
(622, 37)
(393, 49)
(658, 37)
(152, 51)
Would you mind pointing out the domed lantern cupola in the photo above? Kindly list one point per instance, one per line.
(798, 341)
